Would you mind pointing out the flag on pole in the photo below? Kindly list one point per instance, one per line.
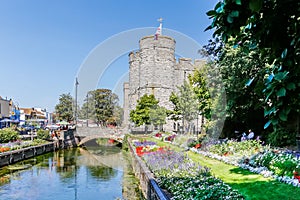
(159, 29)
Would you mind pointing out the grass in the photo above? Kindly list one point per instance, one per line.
(252, 186)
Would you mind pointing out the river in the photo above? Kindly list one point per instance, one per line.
(96, 172)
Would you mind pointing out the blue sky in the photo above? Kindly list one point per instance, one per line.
(44, 43)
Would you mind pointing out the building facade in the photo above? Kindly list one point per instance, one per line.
(5, 108)
(154, 69)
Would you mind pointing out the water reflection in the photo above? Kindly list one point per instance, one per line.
(66, 174)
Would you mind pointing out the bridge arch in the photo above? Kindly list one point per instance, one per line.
(96, 136)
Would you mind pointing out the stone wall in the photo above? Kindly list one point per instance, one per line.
(148, 184)
(11, 157)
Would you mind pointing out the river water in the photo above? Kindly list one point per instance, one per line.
(96, 172)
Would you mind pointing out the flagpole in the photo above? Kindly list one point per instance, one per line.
(160, 24)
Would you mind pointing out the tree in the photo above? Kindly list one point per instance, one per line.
(105, 102)
(117, 117)
(64, 108)
(210, 92)
(244, 97)
(200, 88)
(148, 111)
(186, 103)
(100, 106)
(271, 28)
(87, 110)
(158, 116)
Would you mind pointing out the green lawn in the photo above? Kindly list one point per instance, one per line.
(252, 186)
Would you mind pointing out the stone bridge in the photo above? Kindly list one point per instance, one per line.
(89, 133)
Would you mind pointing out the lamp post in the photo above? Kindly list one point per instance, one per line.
(76, 87)
(87, 110)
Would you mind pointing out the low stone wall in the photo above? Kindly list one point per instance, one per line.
(11, 157)
(149, 186)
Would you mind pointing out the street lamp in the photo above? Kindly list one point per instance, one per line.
(76, 87)
(87, 110)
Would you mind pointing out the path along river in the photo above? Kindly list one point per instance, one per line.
(96, 172)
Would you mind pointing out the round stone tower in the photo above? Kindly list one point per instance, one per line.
(153, 70)
(157, 57)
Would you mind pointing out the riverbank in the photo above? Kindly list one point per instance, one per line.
(11, 157)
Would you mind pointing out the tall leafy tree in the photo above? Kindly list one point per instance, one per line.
(271, 28)
(117, 117)
(100, 106)
(105, 101)
(64, 109)
(140, 115)
(186, 103)
(200, 87)
(158, 115)
(210, 92)
(244, 97)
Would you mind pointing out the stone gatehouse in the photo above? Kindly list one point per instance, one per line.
(154, 69)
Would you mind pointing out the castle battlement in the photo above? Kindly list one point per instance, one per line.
(161, 42)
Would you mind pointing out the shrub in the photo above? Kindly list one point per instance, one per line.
(8, 134)
(282, 164)
(282, 137)
(43, 134)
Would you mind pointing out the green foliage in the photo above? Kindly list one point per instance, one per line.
(101, 106)
(200, 88)
(242, 78)
(282, 164)
(186, 104)
(102, 141)
(185, 179)
(253, 26)
(174, 114)
(8, 135)
(158, 115)
(105, 102)
(282, 137)
(217, 102)
(43, 134)
(37, 141)
(125, 145)
(141, 114)
(64, 108)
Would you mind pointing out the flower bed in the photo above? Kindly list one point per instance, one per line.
(19, 144)
(185, 179)
(144, 147)
(261, 160)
